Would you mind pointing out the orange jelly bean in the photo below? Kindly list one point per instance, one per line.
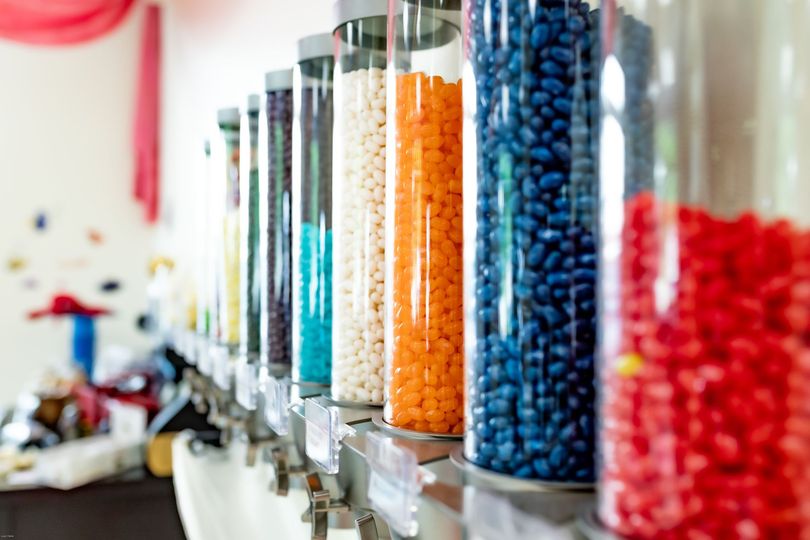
(426, 299)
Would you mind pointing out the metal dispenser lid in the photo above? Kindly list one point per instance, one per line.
(449, 5)
(439, 24)
(362, 24)
(344, 11)
(280, 79)
(315, 46)
(228, 117)
(252, 104)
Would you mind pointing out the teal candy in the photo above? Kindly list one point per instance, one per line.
(315, 282)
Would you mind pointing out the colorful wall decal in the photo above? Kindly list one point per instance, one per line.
(95, 236)
(15, 264)
(30, 283)
(41, 221)
(110, 285)
(77, 262)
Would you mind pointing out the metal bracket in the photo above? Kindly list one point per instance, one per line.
(250, 455)
(366, 528)
(320, 504)
(278, 458)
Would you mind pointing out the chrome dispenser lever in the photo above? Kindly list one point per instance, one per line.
(366, 528)
(277, 457)
(320, 505)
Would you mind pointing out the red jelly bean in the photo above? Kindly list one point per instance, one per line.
(707, 377)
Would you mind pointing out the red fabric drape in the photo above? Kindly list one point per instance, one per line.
(65, 22)
(147, 117)
(60, 22)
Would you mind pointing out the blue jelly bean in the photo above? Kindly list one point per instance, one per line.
(498, 423)
(556, 369)
(549, 236)
(539, 36)
(505, 451)
(535, 255)
(553, 86)
(487, 450)
(584, 275)
(552, 180)
(551, 263)
(541, 468)
(563, 55)
(561, 150)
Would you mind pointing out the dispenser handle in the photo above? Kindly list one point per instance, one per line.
(366, 528)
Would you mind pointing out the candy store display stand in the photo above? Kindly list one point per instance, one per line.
(339, 472)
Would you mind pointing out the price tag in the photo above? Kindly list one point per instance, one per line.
(394, 483)
(223, 369)
(277, 405)
(324, 433)
(247, 383)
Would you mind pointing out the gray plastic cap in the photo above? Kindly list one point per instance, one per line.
(315, 46)
(452, 5)
(344, 11)
(446, 10)
(228, 116)
(252, 103)
(280, 79)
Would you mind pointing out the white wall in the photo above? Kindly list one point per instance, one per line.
(215, 53)
(65, 147)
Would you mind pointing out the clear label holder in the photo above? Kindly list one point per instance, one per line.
(395, 482)
(324, 433)
(277, 405)
(222, 367)
(205, 358)
(247, 383)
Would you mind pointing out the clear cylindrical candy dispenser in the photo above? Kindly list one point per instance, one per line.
(705, 269)
(229, 263)
(359, 201)
(423, 282)
(275, 196)
(531, 117)
(312, 210)
(202, 248)
(249, 267)
(216, 174)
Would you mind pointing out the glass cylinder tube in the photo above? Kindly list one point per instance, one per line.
(705, 265)
(249, 267)
(531, 119)
(229, 191)
(312, 210)
(203, 266)
(424, 314)
(275, 188)
(359, 202)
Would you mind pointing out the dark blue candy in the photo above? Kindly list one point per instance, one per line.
(534, 256)
(539, 36)
(552, 180)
